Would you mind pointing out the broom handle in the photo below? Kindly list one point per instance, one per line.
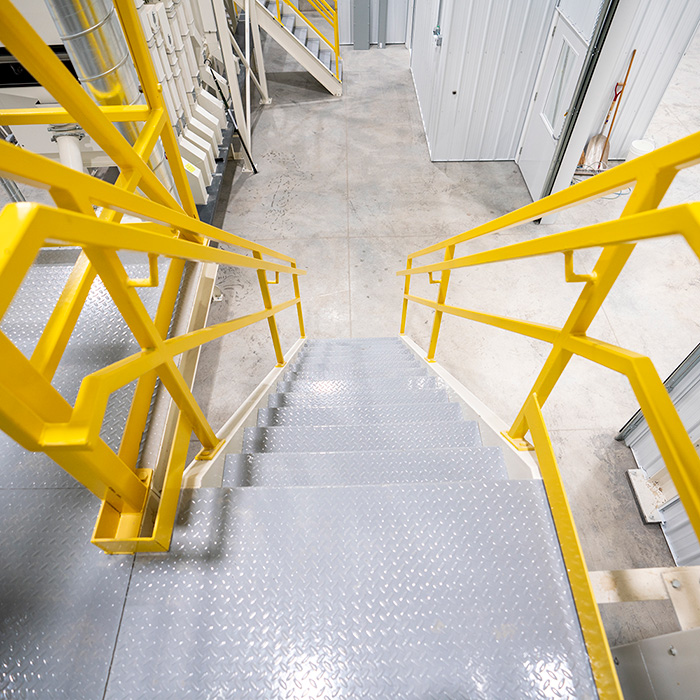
(627, 75)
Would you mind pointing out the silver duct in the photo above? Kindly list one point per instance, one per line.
(95, 42)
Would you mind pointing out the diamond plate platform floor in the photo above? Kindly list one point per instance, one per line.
(422, 591)
(61, 598)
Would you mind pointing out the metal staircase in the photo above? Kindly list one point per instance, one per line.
(301, 37)
(364, 544)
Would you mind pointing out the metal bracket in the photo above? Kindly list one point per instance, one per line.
(569, 273)
(276, 280)
(520, 444)
(432, 281)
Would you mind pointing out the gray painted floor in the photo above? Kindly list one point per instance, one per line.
(346, 186)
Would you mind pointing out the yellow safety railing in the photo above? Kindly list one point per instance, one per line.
(649, 177)
(328, 11)
(32, 411)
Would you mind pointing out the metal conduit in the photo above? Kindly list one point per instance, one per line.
(95, 42)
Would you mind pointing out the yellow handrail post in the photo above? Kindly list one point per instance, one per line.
(300, 315)
(442, 296)
(406, 292)
(336, 30)
(279, 12)
(267, 301)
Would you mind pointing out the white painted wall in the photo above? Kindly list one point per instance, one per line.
(396, 21)
(475, 89)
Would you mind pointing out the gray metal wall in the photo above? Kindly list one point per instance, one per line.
(474, 90)
(397, 17)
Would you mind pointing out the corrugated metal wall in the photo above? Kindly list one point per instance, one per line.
(661, 32)
(396, 20)
(475, 89)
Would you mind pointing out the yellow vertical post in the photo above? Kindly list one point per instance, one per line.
(442, 295)
(300, 315)
(337, 41)
(267, 301)
(406, 291)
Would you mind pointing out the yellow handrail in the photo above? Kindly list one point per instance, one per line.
(31, 410)
(650, 177)
(329, 13)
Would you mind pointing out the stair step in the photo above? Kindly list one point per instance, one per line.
(358, 438)
(359, 415)
(329, 387)
(353, 468)
(289, 21)
(355, 342)
(347, 365)
(301, 33)
(360, 398)
(313, 45)
(359, 373)
(359, 356)
(400, 591)
(326, 57)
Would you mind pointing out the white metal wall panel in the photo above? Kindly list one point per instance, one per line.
(482, 87)
(583, 15)
(397, 19)
(661, 32)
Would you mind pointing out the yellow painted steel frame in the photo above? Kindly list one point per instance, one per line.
(31, 410)
(328, 12)
(650, 177)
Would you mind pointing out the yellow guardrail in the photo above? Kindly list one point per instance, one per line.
(328, 12)
(32, 411)
(649, 177)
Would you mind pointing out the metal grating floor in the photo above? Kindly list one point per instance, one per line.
(432, 591)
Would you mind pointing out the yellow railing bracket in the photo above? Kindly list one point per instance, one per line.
(569, 273)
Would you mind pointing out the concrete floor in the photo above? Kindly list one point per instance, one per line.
(346, 186)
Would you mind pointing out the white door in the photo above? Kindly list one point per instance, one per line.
(559, 73)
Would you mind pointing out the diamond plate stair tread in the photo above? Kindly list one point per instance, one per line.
(100, 338)
(326, 57)
(61, 598)
(359, 415)
(359, 398)
(289, 21)
(301, 33)
(361, 373)
(352, 468)
(352, 362)
(313, 45)
(359, 592)
(343, 438)
(330, 387)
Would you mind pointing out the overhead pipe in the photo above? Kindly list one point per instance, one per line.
(95, 42)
